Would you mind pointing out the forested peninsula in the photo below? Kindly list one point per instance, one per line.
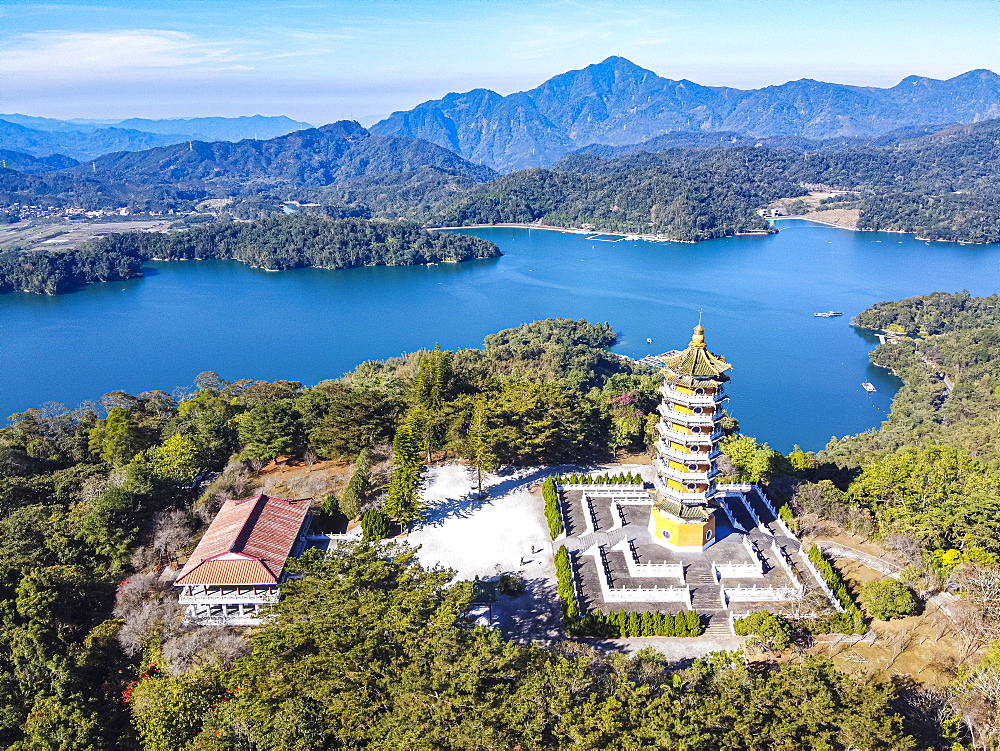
(274, 243)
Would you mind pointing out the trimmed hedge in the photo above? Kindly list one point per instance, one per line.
(624, 624)
(565, 586)
(851, 621)
(626, 478)
(550, 494)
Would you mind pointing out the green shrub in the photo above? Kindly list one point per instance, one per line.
(693, 622)
(565, 587)
(550, 495)
(374, 525)
(887, 599)
(773, 632)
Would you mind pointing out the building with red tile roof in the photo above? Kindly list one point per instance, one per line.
(239, 563)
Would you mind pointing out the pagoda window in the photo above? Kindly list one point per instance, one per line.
(691, 486)
(698, 410)
(699, 391)
(696, 429)
(693, 467)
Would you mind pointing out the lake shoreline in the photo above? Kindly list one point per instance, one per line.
(809, 218)
(582, 231)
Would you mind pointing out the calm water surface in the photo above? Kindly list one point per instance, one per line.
(796, 378)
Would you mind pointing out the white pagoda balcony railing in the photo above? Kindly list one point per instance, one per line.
(214, 614)
(677, 435)
(686, 475)
(672, 393)
(699, 496)
(229, 599)
(673, 414)
(664, 449)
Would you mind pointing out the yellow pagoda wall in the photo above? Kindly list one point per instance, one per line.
(681, 534)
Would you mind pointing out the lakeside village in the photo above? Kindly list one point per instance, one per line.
(662, 550)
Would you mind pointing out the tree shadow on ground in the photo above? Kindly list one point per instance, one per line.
(533, 616)
(438, 512)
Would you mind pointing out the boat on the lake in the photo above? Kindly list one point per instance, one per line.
(869, 387)
(828, 314)
(649, 341)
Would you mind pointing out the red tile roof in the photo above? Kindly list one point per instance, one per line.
(248, 542)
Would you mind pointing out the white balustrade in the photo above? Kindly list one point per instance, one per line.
(737, 571)
(729, 514)
(638, 570)
(786, 563)
(637, 594)
(761, 594)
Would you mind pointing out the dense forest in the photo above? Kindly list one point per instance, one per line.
(274, 243)
(682, 195)
(940, 186)
(93, 500)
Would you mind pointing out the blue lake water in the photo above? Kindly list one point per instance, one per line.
(796, 378)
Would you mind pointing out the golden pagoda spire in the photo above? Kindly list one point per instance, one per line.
(696, 360)
(698, 340)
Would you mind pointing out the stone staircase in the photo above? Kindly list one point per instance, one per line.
(606, 539)
(705, 595)
(718, 624)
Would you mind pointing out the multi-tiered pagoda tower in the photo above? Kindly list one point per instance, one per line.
(683, 518)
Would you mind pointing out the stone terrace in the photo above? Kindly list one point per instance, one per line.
(607, 527)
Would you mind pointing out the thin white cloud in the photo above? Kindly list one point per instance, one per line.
(109, 52)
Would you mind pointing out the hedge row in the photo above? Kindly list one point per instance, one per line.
(851, 621)
(627, 478)
(550, 494)
(620, 623)
(565, 586)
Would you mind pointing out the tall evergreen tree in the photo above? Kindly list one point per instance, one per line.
(484, 457)
(403, 501)
(359, 486)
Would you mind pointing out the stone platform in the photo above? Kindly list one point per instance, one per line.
(754, 563)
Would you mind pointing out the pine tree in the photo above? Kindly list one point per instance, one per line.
(374, 525)
(484, 457)
(403, 501)
(359, 486)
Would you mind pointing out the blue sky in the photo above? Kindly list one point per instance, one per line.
(327, 60)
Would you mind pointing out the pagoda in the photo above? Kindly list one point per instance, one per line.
(683, 517)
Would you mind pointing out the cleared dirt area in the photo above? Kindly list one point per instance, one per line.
(58, 234)
(927, 647)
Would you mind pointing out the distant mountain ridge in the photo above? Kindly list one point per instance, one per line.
(313, 157)
(616, 102)
(304, 165)
(42, 137)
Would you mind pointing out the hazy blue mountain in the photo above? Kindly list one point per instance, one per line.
(42, 136)
(339, 163)
(18, 160)
(313, 157)
(619, 103)
(75, 143)
(219, 128)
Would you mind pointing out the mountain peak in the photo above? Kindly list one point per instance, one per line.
(343, 129)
